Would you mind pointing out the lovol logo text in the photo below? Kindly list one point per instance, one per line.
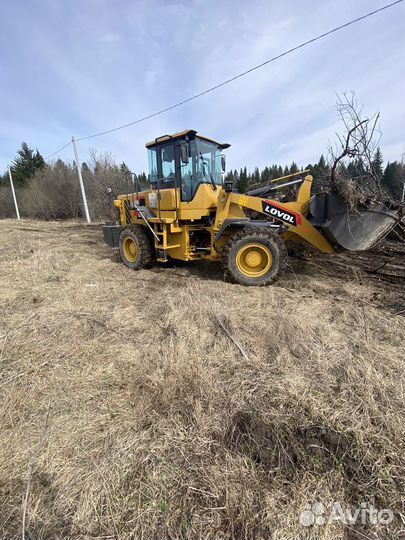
(279, 213)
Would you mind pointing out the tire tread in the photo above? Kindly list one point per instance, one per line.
(257, 233)
(146, 247)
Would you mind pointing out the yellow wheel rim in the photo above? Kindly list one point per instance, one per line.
(254, 260)
(130, 249)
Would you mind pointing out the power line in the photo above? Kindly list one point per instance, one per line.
(57, 151)
(212, 88)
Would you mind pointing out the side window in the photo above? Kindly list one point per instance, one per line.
(189, 174)
(187, 180)
(218, 168)
(153, 172)
(168, 162)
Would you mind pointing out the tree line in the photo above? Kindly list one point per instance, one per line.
(391, 176)
(51, 191)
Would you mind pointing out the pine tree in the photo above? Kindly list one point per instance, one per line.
(242, 183)
(394, 178)
(26, 164)
(124, 168)
(235, 179)
(293, 168)
(265, 176)
(388, 177)
(377, 164)
(4, 178)
(322, 163)
(273, 172)
(355, 168)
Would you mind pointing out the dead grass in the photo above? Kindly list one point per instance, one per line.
(158, 425)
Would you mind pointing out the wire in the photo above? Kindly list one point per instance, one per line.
(57, 151)
(285, 53)
(212, 88)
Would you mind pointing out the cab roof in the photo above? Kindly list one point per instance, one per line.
(190, 133)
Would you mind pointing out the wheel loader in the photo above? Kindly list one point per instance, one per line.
(189, 213)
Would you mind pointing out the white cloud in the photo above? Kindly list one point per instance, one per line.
(82, 67)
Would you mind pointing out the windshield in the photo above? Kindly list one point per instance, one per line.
(204, 167)
(208, 161)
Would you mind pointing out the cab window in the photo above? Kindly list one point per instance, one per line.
(167, 157)
(153, 168)
(203, 168)
(188, 175)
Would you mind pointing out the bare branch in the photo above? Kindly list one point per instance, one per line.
(356, 146)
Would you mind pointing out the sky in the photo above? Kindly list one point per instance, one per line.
(84, 66)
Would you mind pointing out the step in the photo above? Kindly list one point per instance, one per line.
(172, 246)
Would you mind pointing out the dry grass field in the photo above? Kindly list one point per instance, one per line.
(127, 411)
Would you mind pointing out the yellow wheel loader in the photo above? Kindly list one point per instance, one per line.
(190, 213)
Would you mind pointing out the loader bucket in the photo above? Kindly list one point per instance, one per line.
(354, 230)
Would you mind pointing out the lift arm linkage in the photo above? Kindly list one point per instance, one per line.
(292, 214)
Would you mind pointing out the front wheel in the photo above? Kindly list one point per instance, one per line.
(254, 257)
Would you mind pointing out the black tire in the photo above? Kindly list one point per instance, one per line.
(136, 247)
(258, 243)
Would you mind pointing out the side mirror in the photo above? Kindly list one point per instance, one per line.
(223, 163)
(184, 154)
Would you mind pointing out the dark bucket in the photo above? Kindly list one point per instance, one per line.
(354, 230)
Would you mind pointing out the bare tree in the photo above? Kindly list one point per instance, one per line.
(355, 148)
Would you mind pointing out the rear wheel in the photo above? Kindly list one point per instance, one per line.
(136, 247)
(254, 257)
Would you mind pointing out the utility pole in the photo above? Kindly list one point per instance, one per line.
(13, 192)
(79, 174)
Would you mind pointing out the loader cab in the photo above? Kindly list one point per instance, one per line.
(185, 161)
